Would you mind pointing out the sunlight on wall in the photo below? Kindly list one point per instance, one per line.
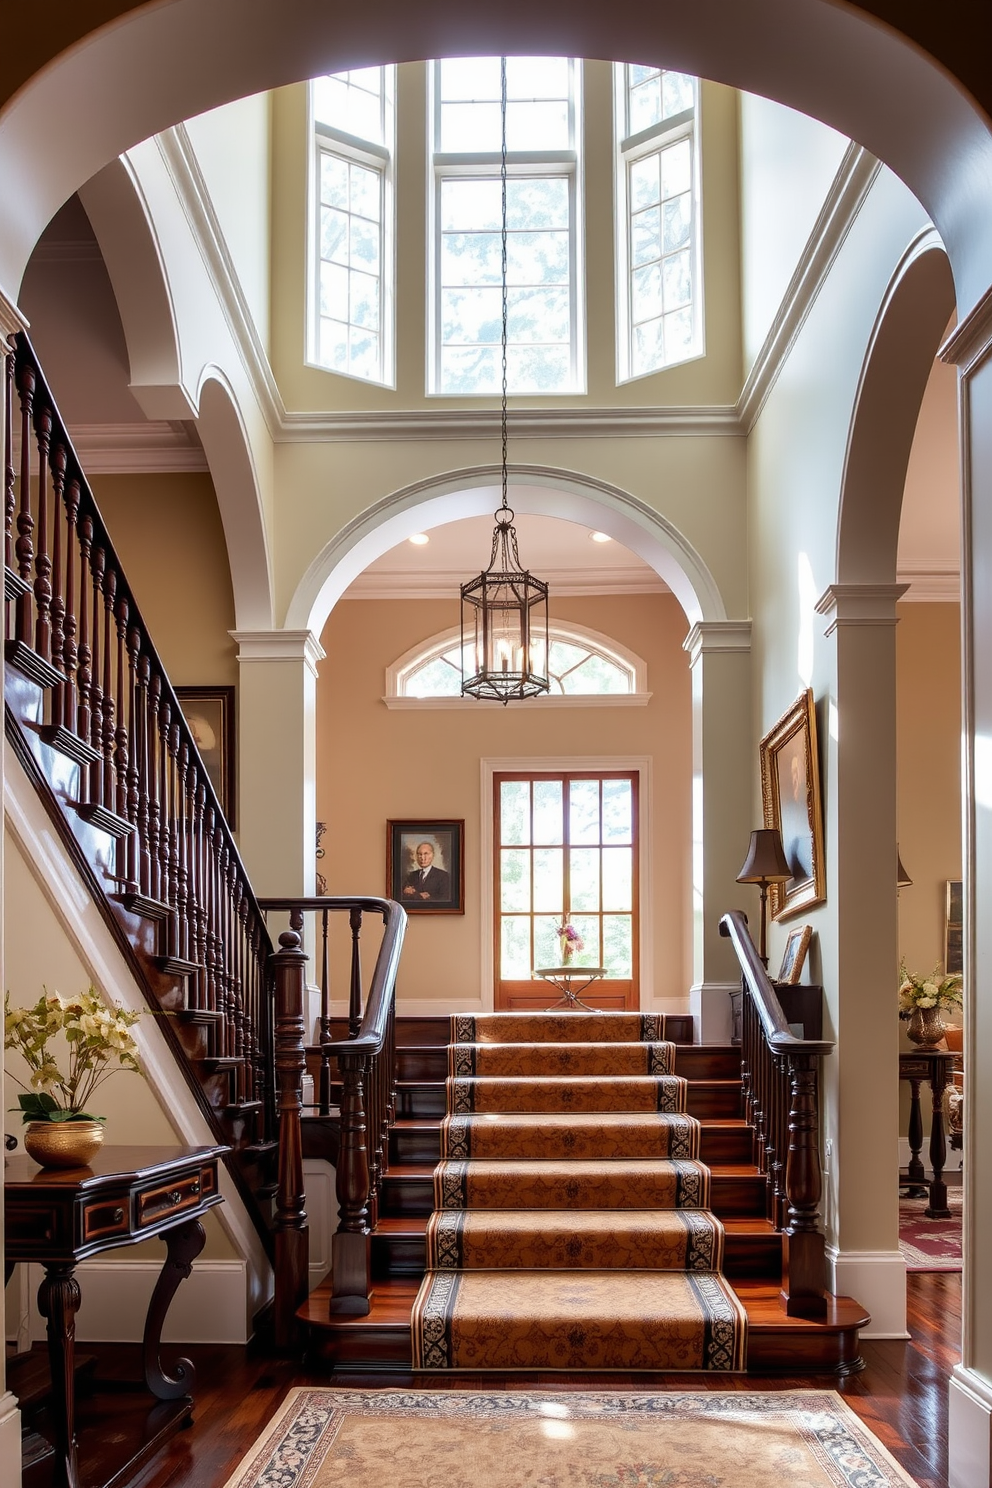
(807, 609)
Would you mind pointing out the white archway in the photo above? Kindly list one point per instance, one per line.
(533, 489)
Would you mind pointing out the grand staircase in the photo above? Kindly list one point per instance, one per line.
(411, 1227)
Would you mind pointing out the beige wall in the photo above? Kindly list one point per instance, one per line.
(374, 763)
(168, 535)
(928, 700)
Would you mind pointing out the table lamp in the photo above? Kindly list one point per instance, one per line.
(765, 863)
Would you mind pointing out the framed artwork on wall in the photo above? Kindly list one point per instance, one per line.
(790, 795)
(425, 865)
(209, 714)
(794, 955)
(953, 926)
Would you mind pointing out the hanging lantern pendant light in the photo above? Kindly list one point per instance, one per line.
(505, 610)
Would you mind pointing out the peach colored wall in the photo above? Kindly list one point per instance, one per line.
(373, 764)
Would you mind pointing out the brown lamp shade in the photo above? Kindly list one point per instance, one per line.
(766, 861)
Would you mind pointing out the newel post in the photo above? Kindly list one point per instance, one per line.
(803, 1292)
(351, 1255)
(292, 1239)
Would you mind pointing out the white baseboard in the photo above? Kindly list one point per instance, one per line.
(876, 1279)
(969, 1430)
(210, 1306)
(10, 1442)
(709, 1004)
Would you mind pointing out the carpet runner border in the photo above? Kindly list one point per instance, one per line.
(720, 1344)
(558, 1136)
(527, 1094)
(466, 1028)
(561, 1183)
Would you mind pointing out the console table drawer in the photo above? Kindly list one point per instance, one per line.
(163, 1200)
(101, 1221)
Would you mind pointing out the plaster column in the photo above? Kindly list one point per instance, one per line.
(276, 759)
(10, 1416)
(861, 1079)
(723, 776)
(970, 1419)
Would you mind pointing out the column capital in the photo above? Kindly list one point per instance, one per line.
(859, 604)
(970, 343)
(279, 645)
(708, 636)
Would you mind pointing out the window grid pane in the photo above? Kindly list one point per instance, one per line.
(590, 878)
(350, 266)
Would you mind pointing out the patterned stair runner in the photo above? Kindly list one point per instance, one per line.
(571, 1228)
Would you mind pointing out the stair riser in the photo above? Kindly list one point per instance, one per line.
(422, 1064)
(713, 1103)
(744, 1256)
(424, 1146)
(734, 1197)
(692, 1063)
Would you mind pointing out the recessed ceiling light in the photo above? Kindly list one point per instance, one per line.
(600, 537)
(419, 539)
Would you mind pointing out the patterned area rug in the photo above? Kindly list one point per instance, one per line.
(930, 1244)
(571, 1228)
(794, 1439)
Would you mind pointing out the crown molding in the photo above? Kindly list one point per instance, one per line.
(279, 646)
(929, 584)
(522, 423)
(859, 604)
(154, 447)
(708, 637)
(848, 190)
(67, 250)
(445, 583)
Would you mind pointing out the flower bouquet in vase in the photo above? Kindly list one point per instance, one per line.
(94, 1040)
(570, 942)
(922, 1000)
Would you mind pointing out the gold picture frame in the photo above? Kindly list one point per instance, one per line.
(794, 955)
(790, 796)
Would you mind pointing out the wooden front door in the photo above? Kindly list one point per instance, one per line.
(565, 852)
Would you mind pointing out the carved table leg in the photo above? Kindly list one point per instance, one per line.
(184, 1242)
(58, 1303)
(915, 1173)
(937, 1207)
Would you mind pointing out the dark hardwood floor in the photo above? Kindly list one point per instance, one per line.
(901, 1396)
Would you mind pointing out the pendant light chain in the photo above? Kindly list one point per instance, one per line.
(502, 180)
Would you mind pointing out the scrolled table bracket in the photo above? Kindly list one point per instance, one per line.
(184, 1243)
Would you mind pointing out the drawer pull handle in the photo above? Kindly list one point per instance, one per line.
(118, 1216)
(194, 1187)
(175, 1196)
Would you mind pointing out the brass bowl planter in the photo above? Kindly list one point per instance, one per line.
(63, 1144)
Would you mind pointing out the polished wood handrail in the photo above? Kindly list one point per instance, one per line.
(780, 1092)
(366, 1065)
(96, 721)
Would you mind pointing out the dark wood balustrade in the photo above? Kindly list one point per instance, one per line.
(365, 1065)
(94, 720)
(780, 1075)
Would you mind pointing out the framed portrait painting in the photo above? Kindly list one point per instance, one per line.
(790, 795)
(209, 714)
(794, 955)
(425, 867)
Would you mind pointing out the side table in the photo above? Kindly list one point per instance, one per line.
(934, 1066)
(60, 1217)
(563, 977)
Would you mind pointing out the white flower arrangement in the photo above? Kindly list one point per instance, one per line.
(933, 991)
(98, 1038)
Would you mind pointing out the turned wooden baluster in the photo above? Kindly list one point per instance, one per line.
(248, 990)
(134, 721)
(292, 1240)
(198, 988)
(70, 623)
(42, 561)
(351, 1249)
(234, 968)
(142, 703)
(153, 776)
(182, 756)
(109, 702)
(803, 1285)
(223, 1006)
(175, 828)
(122, 746)
(355, 996)
(324, 1092)
(84, 674)
(166, 886)
(24, 546)
(213, 993)
(57, 462)
(97, 563)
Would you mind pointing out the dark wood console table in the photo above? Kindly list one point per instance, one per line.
(933, 1066)
(59, 1218)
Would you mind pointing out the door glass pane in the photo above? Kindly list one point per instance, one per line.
(588, 928)
(617, 811)
(618, 945)
(515, 879)
(547, 951)
(584, 878)
(548, 824)
(548, 880)
(515, 938)
(515, 812)
(618, 884)
(584, 811)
